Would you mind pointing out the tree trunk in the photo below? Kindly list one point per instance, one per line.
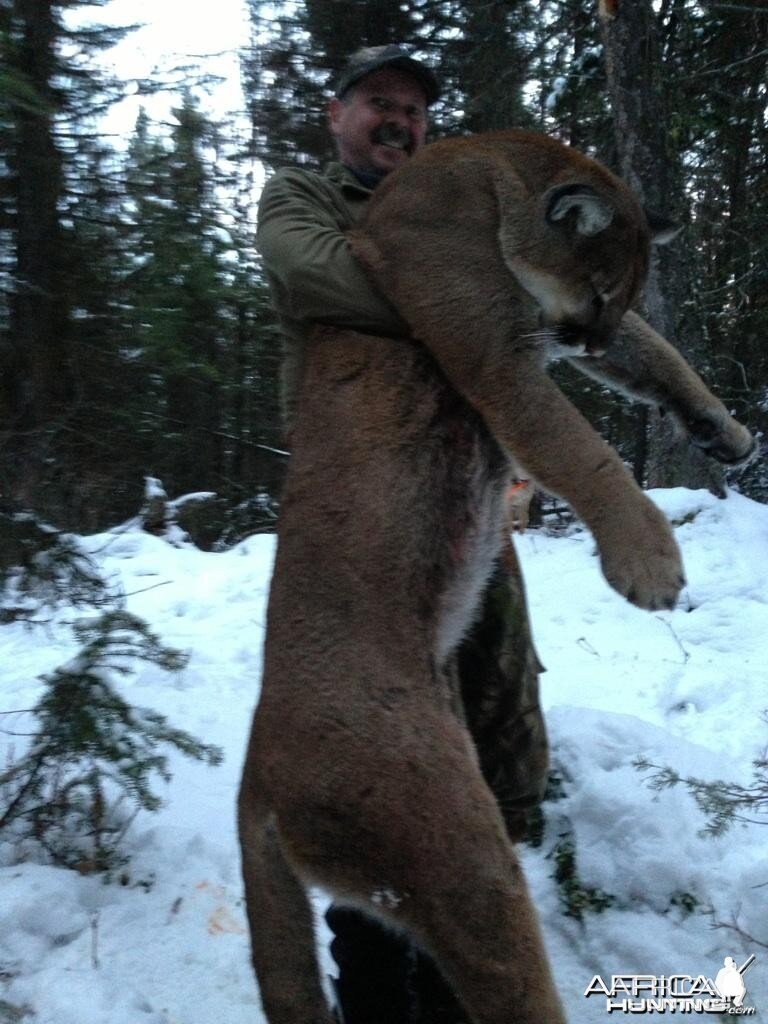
(635, 74)
(38, 316)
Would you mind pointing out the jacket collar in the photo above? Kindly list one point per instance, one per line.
(341, 175)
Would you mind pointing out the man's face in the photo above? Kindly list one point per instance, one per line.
(380, 122)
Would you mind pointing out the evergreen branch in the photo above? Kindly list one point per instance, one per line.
(90, 742)
(721, 802)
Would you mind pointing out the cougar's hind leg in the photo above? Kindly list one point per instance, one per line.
(281, 925)
(486, 941)
(426, 849)
(478, 921)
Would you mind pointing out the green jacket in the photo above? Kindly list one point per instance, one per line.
(313, 276)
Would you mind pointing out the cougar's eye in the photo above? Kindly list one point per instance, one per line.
(607, 288)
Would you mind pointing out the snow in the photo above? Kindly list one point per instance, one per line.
(553, 97)
(167, 943)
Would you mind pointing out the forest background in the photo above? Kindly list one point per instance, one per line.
(136, 338)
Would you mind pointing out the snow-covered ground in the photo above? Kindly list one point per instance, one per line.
(685, 688)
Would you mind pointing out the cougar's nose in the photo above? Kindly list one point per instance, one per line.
(591, 341)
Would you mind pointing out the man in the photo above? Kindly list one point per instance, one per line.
(378, 118)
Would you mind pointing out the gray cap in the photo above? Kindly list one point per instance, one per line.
(372, 58)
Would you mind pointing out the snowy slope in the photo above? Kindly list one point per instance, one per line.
(685, 688)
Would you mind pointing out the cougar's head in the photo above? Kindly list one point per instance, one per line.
(585, 260)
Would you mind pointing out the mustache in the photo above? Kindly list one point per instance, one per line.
(390, 134)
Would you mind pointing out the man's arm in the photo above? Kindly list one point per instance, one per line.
(312, 271)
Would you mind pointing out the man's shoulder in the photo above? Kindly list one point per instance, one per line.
(333, 180)
(292, 178)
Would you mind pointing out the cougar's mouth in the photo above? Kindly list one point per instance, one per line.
(392, 135)
(580, 341)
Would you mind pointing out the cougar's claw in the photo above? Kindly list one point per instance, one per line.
(727, 441)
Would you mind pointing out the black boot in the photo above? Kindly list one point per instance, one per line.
(384, 978)
(375, 966)
(435, 1002)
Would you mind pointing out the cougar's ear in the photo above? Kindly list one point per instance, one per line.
(593, 212)
(663, 229)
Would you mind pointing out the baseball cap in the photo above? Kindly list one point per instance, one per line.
(372, 58)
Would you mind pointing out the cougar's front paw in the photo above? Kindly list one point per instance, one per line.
(642, 560)
(722, 437)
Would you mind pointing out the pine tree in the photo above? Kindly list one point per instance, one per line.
(569, 70)
(721, 89)
(92, 758)
(174, 295)
(203, 334)
(49, 97)
(38, 310)
(252, 417)
(670, 137)
(486, 66)
(634, 73)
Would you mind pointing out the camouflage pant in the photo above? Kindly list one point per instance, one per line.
(383, 978)
(498, 673)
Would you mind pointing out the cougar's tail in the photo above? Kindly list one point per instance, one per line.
(281, 923)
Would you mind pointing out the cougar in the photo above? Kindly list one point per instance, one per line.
(501, 252)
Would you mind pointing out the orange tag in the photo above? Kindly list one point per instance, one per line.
(520, 485)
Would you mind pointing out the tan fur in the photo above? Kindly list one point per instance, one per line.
(360, 775)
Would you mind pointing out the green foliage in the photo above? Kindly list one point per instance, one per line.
(174, 298)
(202, 334)
(537, 822)
(722, 803)
(135, 336)
(568, 69)
(12, 1013)
(484, 53)
(92, 758)
(40, 567)
(576, 899)
(686, 902)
